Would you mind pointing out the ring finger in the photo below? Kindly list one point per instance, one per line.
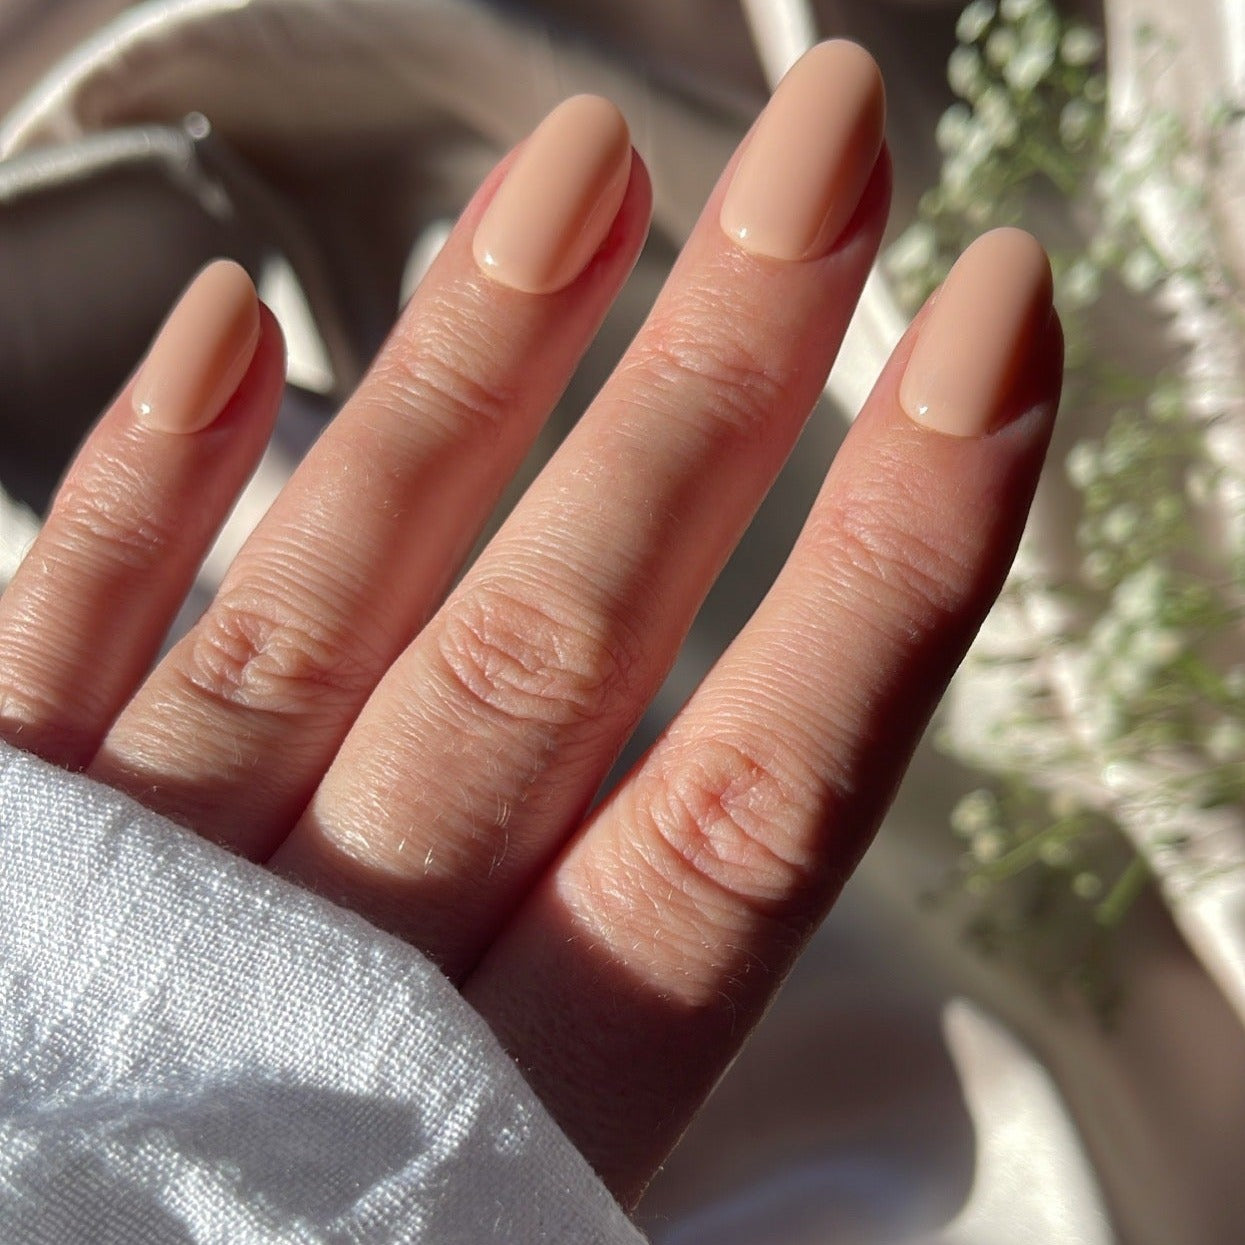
(656, 941)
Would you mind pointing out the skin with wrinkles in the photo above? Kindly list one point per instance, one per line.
(427, 754)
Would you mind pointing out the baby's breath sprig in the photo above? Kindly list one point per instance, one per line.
(1017, 68)
(1108, 717)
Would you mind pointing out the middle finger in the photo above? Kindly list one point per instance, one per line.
(486, 741)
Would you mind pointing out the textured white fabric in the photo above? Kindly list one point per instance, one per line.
(194, 1050)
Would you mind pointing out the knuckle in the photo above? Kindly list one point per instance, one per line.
(64, 733)
(254, 650)
(731, 819)
(46, 705)
(106, 514)
(719, 372)
(520, 660)
(901, 553)
(449, 378)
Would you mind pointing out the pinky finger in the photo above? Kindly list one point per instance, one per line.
(90, 604)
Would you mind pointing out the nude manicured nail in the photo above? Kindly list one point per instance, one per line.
(807, 162)
(201, 354)
(559, 198)
(979, 334)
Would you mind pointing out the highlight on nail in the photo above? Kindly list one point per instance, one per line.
(805, 166)
(559, 198)
(201, 354)
(978, 336)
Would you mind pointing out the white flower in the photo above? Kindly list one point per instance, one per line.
(978, 144)
(1082, 283)
(997, 116)
(1075, 122)
(1167, 509)
(1087, 886)
(1056, 853)
(1108, 637)
(1017, 10)
(1156, 647)
(954, 128)
(1121, 453)
(957, 180)
(1082, 464)
(913, 251)
(1141, 270)
(974, 20)
(1029, 66)
(1129, 679)
(1140, 596)
(975, 813)
(965, 72)
(1103, 249)
(1186, 297)
(1080, 46)
(1097, 568)
(1164, 403)
(1043, 28)
(1001, 46)
(1048, 615)
(1120, 524)
(1140, 151)
(1102, 720)
(1118, 777)
(987, 846)
(1225, 741)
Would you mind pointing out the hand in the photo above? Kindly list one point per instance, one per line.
(430, 762)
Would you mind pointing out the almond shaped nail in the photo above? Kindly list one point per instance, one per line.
(200, 356)
(555, 207)
(979, 334)
(805, 166)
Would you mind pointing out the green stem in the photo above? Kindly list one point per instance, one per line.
(1060, 173)
(1111, 911)
(1026, 853)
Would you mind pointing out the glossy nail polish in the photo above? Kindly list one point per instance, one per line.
(978, 335)
(804, 167)
(559, 198)
(200, 356)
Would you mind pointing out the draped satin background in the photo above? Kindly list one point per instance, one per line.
(901, 1090)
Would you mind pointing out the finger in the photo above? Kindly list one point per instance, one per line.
(88, 608)
(631, 976)
(484, 745)
(361, 544)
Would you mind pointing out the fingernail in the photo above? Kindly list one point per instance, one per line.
(559, 198)
(979, 334)
(807, 162)
(201, 354)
